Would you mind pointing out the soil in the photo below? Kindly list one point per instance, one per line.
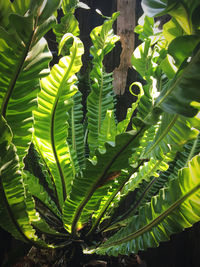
(51, 258)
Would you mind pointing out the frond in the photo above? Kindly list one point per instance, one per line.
(51, 118)
(68, 24)
(101, 98)
(176, 98)
(24, 58)
(175, 208)
(13, 209)
(76, 134)
(174, 131)
(89, 187)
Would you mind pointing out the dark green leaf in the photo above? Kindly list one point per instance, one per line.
(186, 45)
(175, 208)
(87, 189)
(13, 210)
(182, 93)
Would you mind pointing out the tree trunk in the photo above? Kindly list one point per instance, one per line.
(125, 29)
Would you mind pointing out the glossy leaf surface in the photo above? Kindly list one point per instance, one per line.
(174, 209)
(14, 217)
(24, 58)
(101, 97)
(94, 176)
(51, 126)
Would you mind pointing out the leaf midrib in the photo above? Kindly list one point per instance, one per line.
(52, 133)
(73, 129)
(132, 208)
(96, 184)
(100, 103)
(12, 217)
(164, 133)
(154, 222)
(177, 81)
(14, 78)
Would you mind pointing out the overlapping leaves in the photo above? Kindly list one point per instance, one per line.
(76, 135)
(173, 132)
(89, 187)
(24, 59)
(50, 119)
(14, 217)
(175, 208)
(176, 98)
(101, 98)
(147, 190)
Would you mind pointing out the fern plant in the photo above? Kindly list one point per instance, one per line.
(65, 196)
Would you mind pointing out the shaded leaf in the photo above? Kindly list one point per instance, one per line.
(94, 176)
(176, 98)
(13, 210)
(101, 97)
(186, 45)
(173, 132)
(175, 208)
(76, 135)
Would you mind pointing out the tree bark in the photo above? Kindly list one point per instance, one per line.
(125, 29)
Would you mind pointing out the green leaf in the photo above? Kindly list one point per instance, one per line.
(23, 60)
(98, 102)
(140, 58)
(176, 98)
(168, 66)
(173, 132)
(108, 130)
(195, 18)
(157, 7)
(13, 211)
(68, 24)
(145, 112)
(186, 45)
(103, 39)
(88, 189)
(123, 125)
(181, 160)
(47, 9)
(38, 192)
(76, 135)
(34, 216)
(50, 119)
(36, 166)
(20, 6)
(144, 27)
(191, 6)
(149, 181)
(175, 208)
(69, 5)
(110, 200)
(180, 13)
(145, 172)
(101, 97)
(5, 10)
(171, 30)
